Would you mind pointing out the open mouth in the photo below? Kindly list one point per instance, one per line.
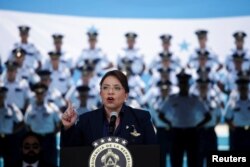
(110, 99)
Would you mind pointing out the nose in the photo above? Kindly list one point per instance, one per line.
(111, 91)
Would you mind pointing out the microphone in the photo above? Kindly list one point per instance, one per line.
(113, 117)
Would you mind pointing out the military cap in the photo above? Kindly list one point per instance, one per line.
(131, 35)
(91, 62)
(82, 88)
(92, 33)
(39, 88)
(53, 54)
(57, 37)
(86, 69)
(203, 54)
(127, 61)
(201, 70)
(43, 73)
(238, 57)
(18, 52)
(203, 80)
(243, 74)
(164, 84)
(201, 33)
(11, 65)
(165, 55)
(239, 35)
(164, 70)
(24, 29)
(183, 76)
(166, 37)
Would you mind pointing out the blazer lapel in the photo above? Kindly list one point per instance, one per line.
(97, 125)
(126, 123)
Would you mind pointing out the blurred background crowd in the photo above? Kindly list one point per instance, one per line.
(186, 101)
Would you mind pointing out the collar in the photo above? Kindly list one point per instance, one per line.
(33, 165)
(121, 112)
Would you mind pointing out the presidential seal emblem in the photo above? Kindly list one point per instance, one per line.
(110, 152)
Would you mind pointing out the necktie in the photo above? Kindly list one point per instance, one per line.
(29, 166)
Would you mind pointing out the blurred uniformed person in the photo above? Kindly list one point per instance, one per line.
(153, 92)
(65, 58)
(234, 94)
(238, 118)
(11, 118)
(60, 75)
(43, 118)
(137, 87)
(158, 62)
(23, 71)
(184, 120)
(52, 94)
(236, 62)
(228, 79)
(212, 58)
(33, 58)
(202, 68)
(94, 56)
(83, 94)
(162, 124)
(207, 136)
(89, 79)
(164, 72)
(238, 51)
(131, 56)
(18, 89)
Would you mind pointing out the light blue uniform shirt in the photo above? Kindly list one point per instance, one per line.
(42, 119)
(186, 112)
(239, 112)
(9, 115)
(18, 92)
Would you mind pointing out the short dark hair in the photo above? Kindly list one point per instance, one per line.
(29, 134)
(118, 75)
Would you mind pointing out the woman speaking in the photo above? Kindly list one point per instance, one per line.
(114, 118)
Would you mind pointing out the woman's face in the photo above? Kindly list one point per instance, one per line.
(113, 94)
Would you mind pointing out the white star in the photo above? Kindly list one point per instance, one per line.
(109, 139)
(95, 144)
(116, 140)
(102, 141)
(124, 142)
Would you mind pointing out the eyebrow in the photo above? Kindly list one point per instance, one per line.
(109, 85)
(30, 143)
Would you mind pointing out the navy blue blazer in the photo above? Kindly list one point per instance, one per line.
(90, 127)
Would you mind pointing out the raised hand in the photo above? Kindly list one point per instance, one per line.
(69, 117)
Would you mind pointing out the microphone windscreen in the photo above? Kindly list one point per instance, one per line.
(113, 114)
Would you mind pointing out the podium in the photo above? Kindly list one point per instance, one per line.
(143, 156)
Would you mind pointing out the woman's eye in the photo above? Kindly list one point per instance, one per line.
(117, 88)
(105, 88)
